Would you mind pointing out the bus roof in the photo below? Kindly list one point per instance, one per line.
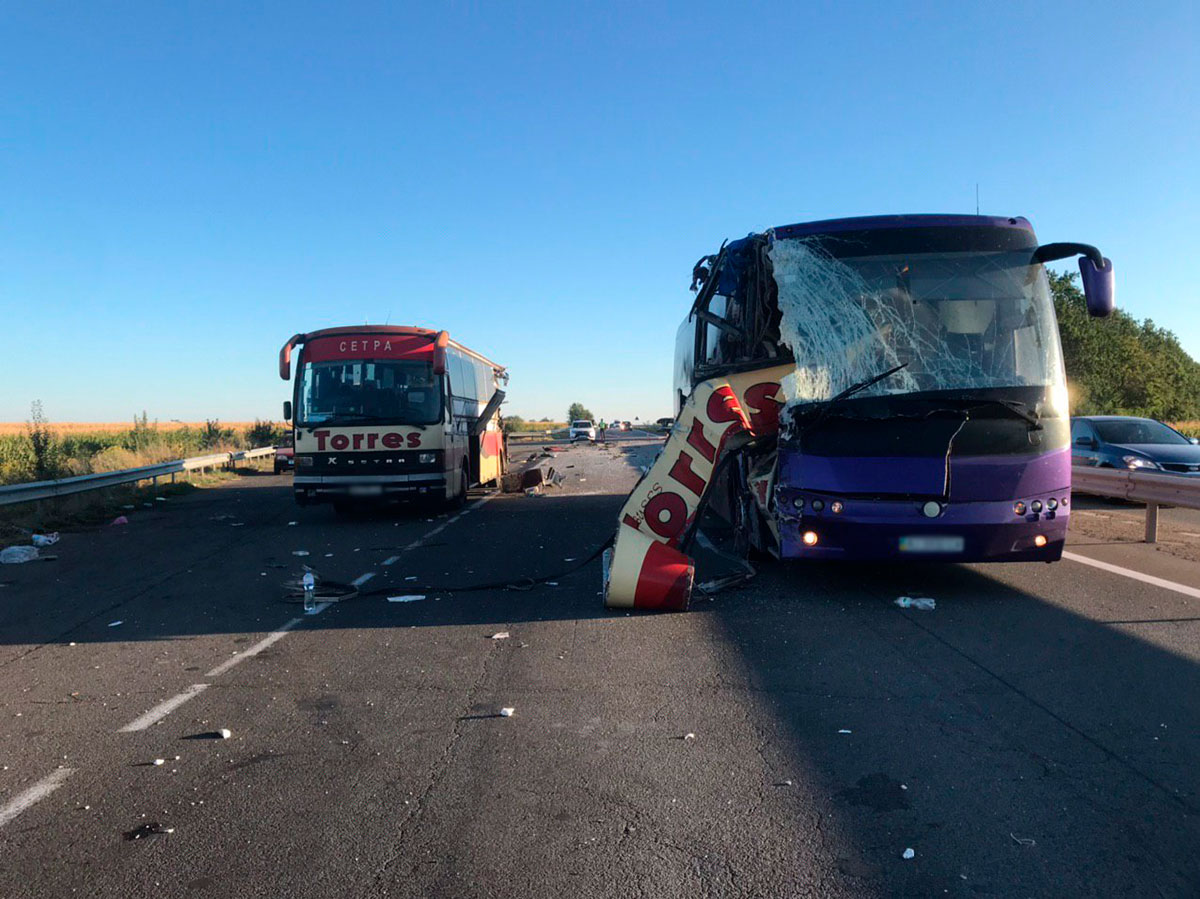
(443, 337)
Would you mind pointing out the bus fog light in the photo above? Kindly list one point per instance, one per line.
(809, 538)
(1039, 541)
(1019, 508)
(931, 509)
(836, 507)
(798, 503)
(427, 458)
(1052, 504)
(817, 506)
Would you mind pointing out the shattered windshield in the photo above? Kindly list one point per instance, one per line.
(955, 321)
(363, 390)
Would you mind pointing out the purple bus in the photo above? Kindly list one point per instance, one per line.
(926, 413)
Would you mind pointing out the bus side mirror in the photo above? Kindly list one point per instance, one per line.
(287, 410)
(1098, 286)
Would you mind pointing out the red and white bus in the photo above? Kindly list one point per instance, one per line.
(386, 412)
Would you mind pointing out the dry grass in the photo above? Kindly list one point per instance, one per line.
(107, 427)
(1191, 428)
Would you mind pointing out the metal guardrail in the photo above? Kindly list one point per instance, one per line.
(40, 490)
(1146, 487)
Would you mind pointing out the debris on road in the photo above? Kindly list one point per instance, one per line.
(1023, 841)
(507, 712)
(689, 736)
(159, 762)
(120, 519)
(149, 829)
(292, 523)
(923, 603)
(409, 597)
(500, 635)
(908, 854)
(15, 555)
(40, 540)
(299, 552)
(116, 623)
(225, 733)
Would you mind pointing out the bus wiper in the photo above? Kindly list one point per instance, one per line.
(851, 390)
(1016, 407)
(863, 385)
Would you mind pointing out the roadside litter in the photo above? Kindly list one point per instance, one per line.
(689, 736)
(845, 731)
(116, 623)
(1023, 841)
(507, 712)
(909, 854)
(299, 552)
(120, 519)
(309, 588)
(412, 597)
(44, 539)
(15, 555)
(225, 733)
(501, 635)
(923, 603)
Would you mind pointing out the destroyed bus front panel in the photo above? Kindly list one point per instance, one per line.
(388, 414)
(961, 452)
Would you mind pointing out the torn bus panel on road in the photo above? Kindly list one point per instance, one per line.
(883, 388)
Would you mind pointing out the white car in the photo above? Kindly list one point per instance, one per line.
(582, 430)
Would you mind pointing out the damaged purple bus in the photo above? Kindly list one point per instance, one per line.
(924, 410)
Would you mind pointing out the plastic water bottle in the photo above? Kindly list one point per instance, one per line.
(310, 592)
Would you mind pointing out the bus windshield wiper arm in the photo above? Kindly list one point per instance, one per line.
(1016, 407)
(863, 385)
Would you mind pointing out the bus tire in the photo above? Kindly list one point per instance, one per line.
(464, 481)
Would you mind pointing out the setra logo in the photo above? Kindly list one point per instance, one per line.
(368, 441)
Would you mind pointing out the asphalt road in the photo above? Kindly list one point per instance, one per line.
(1037, 734)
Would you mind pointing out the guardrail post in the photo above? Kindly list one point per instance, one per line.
(1151, 522)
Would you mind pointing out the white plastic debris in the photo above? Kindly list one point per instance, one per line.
(15, 555)
(292, 523)
(1023, 841)
(500, 635)
(299, 552)
(507, 712)
(158, 762)
(408, 597)
(923, 603)
(412, 577)
(44, 539)
(225, 733)
(160, 499)
(908, 854)
(689, 736)
(845, 731)
(116, 623)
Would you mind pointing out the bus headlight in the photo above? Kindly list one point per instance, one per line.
(1035, 506)
(1052, 504)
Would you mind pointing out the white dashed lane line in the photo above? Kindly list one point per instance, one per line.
(163, 709)
(34, 794)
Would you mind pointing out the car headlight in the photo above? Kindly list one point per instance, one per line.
(1139, 462)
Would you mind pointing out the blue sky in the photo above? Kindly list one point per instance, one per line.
(185, 185)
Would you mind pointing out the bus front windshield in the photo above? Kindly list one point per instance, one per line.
(352, 391)
(960, 321)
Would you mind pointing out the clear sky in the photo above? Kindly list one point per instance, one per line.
(185, 185)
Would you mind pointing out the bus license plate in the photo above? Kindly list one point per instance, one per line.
(366, 489)
(928, 543)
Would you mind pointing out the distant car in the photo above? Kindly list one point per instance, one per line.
(285, 457)
(1140, 444)
(625, 426)
(582, 429)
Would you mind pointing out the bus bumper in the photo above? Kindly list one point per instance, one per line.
(313, 489)
(898, 531)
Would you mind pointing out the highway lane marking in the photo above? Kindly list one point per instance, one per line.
(34, 794)
(1135, 575)
(163, 709)
(449, 521)
(390, 560)
(268, 640)
(362, 579)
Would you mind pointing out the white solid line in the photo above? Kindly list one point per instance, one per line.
(362, 579)
(390, 560)
(258, 647)
(1136, 575)
(36, 793)
(163, 709)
